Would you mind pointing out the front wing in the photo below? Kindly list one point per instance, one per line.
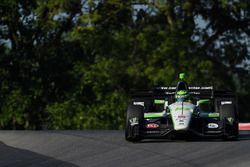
(199, 126)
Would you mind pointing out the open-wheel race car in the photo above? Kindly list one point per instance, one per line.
(182, 111)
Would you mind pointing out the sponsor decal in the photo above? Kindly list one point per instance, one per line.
(138, 103)
(169, 93)
(194, 93)
(201, 88)
(184, 108)
(226, 102)
(152, 132)
(181, 116)
(134, 121)
(212, 125)
(157, 101)
(213, 115)
(190, 87)
(152, 125)
(230, 120)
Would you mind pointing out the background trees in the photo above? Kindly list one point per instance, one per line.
(70, 64)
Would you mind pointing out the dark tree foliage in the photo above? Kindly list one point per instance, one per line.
(70, 64)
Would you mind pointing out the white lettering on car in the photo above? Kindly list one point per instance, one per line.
(138, 103)
(226, 102)
(212, 125)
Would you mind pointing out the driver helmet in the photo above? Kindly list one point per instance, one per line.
(182, 96)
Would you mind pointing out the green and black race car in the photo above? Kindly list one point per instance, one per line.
(186, 111)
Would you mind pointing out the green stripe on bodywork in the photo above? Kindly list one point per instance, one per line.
(181, 92)
(213, 115)
(184, 108)
(202, 101)
(157, 101)
(153, 115)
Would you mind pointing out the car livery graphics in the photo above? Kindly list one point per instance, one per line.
(196, 111)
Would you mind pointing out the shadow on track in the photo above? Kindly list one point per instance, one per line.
(179, 140)
(244, 135)
(15, 157)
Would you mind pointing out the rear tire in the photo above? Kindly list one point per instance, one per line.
(230, 128)
(133, 132)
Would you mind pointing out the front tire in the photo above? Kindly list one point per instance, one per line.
(134, 120)
(229, 118)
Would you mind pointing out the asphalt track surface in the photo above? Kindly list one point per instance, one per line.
(108, 148)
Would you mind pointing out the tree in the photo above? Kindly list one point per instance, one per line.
(70, 64)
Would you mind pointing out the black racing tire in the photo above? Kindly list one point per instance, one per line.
(133, 133)
(228, 111)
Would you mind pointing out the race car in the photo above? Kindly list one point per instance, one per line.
(182, 111)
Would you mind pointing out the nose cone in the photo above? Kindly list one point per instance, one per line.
(181, 113)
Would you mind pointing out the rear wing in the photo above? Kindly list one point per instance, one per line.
(195, 91)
